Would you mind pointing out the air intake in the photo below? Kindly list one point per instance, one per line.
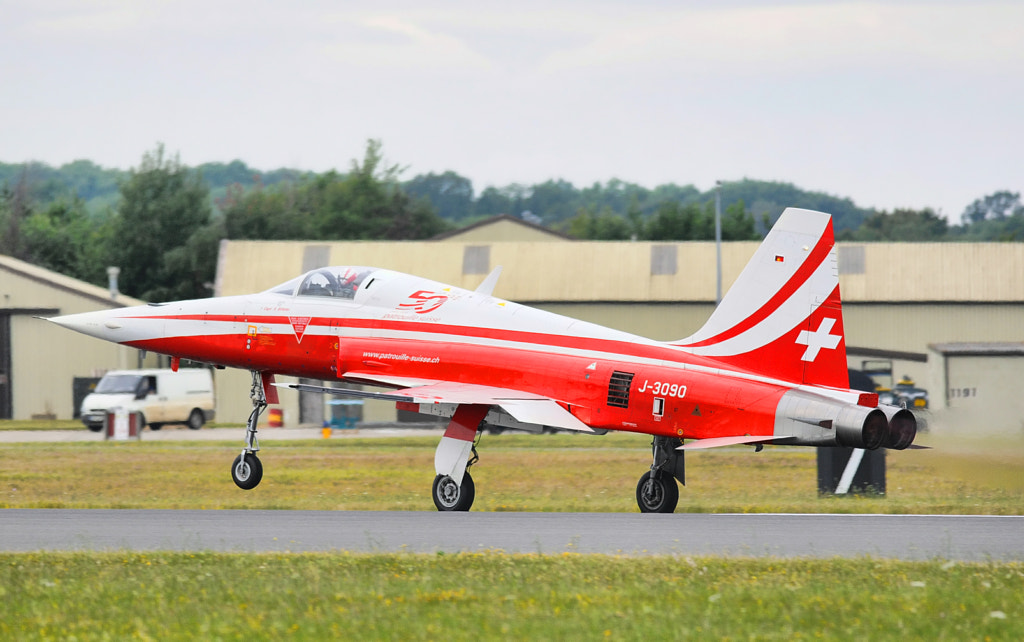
(618, 389)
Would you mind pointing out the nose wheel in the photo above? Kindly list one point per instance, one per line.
(247, 471)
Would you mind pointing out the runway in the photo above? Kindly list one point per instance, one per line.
(909, 537)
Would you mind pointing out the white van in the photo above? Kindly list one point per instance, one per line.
(162, 396)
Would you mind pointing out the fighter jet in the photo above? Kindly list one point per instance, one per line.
(768, 367)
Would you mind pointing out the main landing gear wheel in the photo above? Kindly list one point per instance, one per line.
(657, 494)
(448, 496)
(247, 471)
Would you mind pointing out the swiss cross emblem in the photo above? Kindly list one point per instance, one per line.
(423, 301)
(299, 325)
(818, 339)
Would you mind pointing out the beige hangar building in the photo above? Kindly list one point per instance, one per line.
(948, 315)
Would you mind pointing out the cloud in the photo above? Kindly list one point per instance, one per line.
(388, 40)
(803, 38)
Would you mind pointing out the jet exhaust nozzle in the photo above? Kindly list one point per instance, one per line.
(902, 428)
(857, 429)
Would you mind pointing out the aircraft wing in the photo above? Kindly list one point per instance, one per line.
(525, 407)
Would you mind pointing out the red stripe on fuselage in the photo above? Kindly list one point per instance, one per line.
(615, 347)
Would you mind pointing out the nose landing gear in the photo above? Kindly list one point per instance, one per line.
(247, 470)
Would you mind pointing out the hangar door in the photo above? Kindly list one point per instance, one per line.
(987, 389)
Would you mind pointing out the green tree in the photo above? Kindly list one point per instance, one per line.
(598, 226)
(367, 203)
(900, 225)
(450, 194)
(693, 222)
(266, 213)
(63, 238)
(994, 207)
(162, 205)
(553, 201)
(678, 222)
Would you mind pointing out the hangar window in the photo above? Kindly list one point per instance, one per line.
(664, 259)
(315, 256)
(618, 389)
(851, 259)
(476, 259)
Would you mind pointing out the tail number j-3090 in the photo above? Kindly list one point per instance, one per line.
(663, 388)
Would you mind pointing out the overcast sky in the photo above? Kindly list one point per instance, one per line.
(894, 104)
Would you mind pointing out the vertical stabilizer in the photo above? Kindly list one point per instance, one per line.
(783, 317)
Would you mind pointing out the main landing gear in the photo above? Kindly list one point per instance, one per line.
(657, 492)
(247, 470)
(453, 488)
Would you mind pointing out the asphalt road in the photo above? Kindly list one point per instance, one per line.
(916, 537)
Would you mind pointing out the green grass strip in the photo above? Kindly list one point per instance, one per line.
(494, 595)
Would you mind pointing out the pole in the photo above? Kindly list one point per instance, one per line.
(718, 242)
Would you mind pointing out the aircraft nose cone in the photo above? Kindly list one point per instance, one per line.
(105, 325)
(96, 324)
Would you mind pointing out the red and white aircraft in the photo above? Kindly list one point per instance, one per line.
(769, 366)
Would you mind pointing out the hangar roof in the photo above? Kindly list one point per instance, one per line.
(588, 271)
(502, 228)
(979, 349)
(48, 278)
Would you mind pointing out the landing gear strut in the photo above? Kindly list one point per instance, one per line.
(657, 492)
(247, 470)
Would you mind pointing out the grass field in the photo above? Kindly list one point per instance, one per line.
(499, 596)
(515, 473)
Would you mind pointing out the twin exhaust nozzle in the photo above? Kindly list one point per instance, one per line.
(883, 427)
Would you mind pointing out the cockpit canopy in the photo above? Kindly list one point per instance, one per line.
(340, 282)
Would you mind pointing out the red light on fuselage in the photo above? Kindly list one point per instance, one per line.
(779, 258)
(868, 400)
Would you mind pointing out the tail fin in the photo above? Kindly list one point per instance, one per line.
(783, 317)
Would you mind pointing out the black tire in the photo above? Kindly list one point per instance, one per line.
(449, 496)
(195, 419)
(660, 496)
(248, 473)
(155, 426)
(94, 427)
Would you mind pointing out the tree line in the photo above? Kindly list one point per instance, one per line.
(162, 222)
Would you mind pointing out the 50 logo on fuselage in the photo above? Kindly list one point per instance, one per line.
(663, 388)
(423, 301)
